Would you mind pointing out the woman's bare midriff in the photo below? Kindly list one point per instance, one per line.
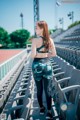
(41, 55)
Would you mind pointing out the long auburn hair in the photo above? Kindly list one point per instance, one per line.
(46, 37)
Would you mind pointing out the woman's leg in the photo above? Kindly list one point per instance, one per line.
(48, 97)
(39, 86)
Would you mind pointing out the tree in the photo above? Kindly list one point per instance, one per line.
(4, 38)
(74, 24)
(20, 37)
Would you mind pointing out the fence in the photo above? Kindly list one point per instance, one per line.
(7, 66)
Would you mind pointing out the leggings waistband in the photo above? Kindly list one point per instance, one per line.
(41, 58)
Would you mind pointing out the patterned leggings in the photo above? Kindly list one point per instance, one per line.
(42, 73)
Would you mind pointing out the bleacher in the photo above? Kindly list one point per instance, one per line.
(11, 72)
(22, 102)
(18, 99)
(68, 46)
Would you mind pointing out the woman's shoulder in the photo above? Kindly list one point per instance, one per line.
(36, 40)
(51, 40)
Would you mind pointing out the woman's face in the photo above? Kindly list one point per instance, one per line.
(38, 30)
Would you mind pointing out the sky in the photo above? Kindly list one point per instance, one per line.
(10, 11)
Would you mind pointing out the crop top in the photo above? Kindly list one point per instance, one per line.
(38, 49)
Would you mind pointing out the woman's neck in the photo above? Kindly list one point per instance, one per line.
(40, 36)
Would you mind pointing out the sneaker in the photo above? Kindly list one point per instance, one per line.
(42, 110)
(49, 115)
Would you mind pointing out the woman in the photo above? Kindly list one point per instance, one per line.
(42, 49)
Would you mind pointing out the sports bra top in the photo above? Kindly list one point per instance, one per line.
(38, 49)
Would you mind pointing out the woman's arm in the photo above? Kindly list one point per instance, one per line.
(52, 52)
(33, 48)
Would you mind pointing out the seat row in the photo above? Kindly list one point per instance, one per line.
(71, 56)
(67, 89)
(19, 100)
(7, 86)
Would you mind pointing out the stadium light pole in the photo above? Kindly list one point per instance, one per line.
(57, 4)
(21, 15)
(71, 16)
(36, 13)
(61, 20)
